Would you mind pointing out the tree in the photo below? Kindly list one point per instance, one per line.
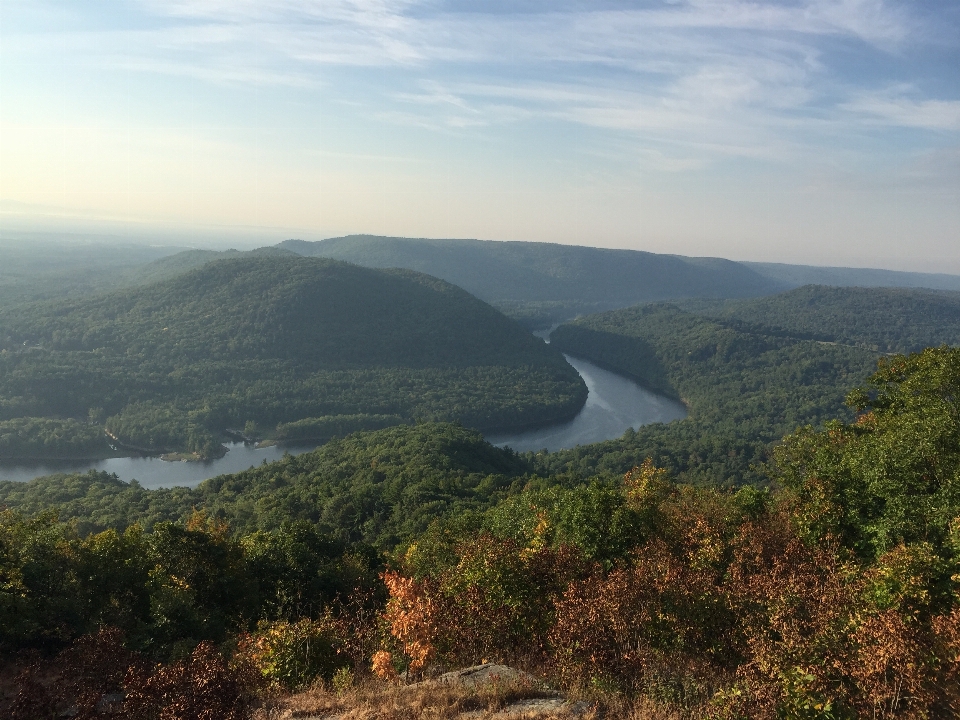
(892, 476)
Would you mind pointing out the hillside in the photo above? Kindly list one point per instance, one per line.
(266, 339)
(537, 283)
(885, 319)
(45, 268)
(823, 597)
(48, 269)
(543, 283)
(797, 275)
(379, 487)
(750, 370)
(745, 388)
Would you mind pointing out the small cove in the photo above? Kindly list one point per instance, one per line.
(152, 472)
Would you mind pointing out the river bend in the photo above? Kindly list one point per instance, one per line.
(613, 405)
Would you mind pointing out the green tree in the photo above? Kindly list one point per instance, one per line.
(892, 476)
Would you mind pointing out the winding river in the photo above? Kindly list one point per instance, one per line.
(613, 405)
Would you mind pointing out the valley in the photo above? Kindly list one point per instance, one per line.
(465, 360)
(614, 404)
(708, 459)
(267, 341)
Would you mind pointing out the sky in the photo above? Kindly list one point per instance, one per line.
(821, 132)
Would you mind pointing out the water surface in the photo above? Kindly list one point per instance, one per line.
(152, 472)
(614, 404)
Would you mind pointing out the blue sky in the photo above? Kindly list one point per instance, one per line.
(821, 132)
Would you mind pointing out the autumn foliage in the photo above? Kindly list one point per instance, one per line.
(725, 603)
(835, 594)
(749, 621)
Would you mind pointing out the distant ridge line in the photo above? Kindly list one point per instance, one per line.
(798, 275)
(541, 284)
(789, 275)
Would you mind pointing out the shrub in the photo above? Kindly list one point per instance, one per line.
(200, 687)
(293, 655)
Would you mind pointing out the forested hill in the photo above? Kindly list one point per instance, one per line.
(44, 269)
(750, 370)
(262, 340)
(317, 312)
(544, 282)
(377, 487)
(886, 319)
(745, 388)
(798, 275)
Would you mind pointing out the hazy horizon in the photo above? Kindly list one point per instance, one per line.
(249, 242)
(815, 132)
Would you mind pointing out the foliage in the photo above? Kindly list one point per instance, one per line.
(380, 487)
(98, 675)
(276, 338)
(329, 426)
(168, 589)
(202, 685)
(31, 437)
(744, 390)
(292, 655)
(884, 319)
(829, 599)
(719, 601)
(93, 667)
(893, 476)
(96, 501)
(827, 596)
(160, 427)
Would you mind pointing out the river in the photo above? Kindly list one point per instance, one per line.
(613, 405)
(152, 472)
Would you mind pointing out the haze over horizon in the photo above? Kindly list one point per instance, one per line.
(821, 132)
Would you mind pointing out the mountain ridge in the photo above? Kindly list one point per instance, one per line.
(541, 284)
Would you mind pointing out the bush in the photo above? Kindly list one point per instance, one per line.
(293, 655)
(97, 675)
(199, 687)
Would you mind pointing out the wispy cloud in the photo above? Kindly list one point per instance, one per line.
(406, 30)
(702, 63)
(900, 106)
(740, 77)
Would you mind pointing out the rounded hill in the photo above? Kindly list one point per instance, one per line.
(303, 347)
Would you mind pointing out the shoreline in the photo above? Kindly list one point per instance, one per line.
(165, 456)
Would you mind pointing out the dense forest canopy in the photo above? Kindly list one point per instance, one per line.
(821, 585)
(379, 487)
(886, 319)
(825, 597)
(744, 389)
(276, 338)
(537, 283)
(543, 283)
(751, 370)
(790, 550)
